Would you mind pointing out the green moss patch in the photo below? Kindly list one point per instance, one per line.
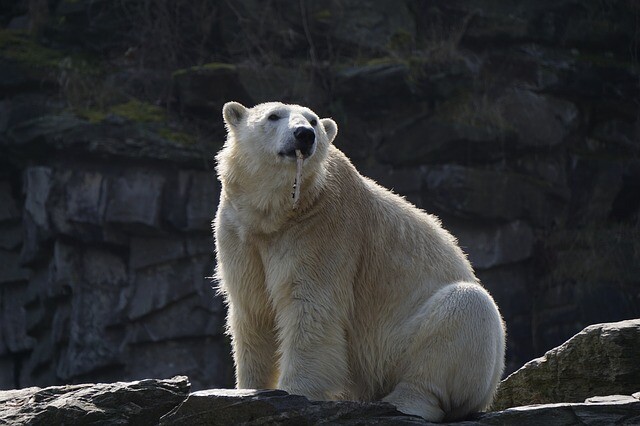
(213, 66)
(135, 110)
(20, 47)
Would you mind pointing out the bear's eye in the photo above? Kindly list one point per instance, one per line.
(314, 122)
(274, 117)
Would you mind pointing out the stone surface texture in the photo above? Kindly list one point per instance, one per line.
(516, 123)
(600, 360)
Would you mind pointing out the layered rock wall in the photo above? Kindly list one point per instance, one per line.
(517, 124)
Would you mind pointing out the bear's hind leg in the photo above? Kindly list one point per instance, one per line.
(410, 399)
(456, 357)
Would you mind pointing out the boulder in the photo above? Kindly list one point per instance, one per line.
(140, 403)
(600, 360)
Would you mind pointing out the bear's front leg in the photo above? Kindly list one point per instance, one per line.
(254, 354)
(250, 319)
(313, 343)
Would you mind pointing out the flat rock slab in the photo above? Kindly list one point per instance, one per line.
(228, 407)
(167, 402)
(141, 403)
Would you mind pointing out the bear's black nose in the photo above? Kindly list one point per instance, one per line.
(305, 137)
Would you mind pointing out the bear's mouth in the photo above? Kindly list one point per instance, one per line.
(292, 153)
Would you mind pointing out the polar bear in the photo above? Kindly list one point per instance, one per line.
(355, 294)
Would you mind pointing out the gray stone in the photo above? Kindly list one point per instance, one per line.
(10, 269)
(287, 84)
(64, 269)
(155, 250)
(423, 140)
(8, 208)
(401, 181)
(157, 286)
(204, 89)
(371, 28)
(42, 128)
(469, 192)
(188, 317)
(97, 302)
(151, 251)
(596, 182)
(224, 407)
(86, 197)
(622, 133)
(615, 411)
(511, 286)
(490, 246)
(174, 203)
(202, 202)
(13, 316)
(538, 120)
(64, 132)
(38, 182)
(206, 361)
(141, 403)
(600, 360)
(192, 200)
(7, 371)
(10, 236)
(373, 85)
(135, 198)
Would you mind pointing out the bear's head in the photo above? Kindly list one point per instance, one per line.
(274, 131)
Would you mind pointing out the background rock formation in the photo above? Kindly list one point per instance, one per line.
(517, 124)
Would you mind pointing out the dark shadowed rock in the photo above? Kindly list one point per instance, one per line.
(38, 182)
(375, 84)
(490, 246)
(613, 410)
(600, 360)
(10, 269)
(204, 89)
(98, 300)
(205, 360)
(6, 372)
(86, 197)
(202, 201)
(8, 208)
(13, 319)
(225, 407)
(467, 191)
(538, 120)
(140, 403)
(203, 315)
(10, 236)
(135, 199)
(157, 286)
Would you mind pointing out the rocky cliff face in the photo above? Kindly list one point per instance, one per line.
(517, 124)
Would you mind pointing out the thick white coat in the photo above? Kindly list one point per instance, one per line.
(356, 294)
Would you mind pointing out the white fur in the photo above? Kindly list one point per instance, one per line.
(356, 294)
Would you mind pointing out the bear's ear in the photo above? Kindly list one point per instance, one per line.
(233, 113)
(330, 127)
